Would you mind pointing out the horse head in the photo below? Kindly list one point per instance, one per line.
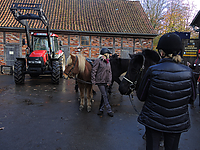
(71, 68)
(138, 66)
(118, 66)
(114, 59)
(114, 56)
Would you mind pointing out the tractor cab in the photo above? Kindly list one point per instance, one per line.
(40, 42)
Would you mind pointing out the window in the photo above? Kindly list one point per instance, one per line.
(40, 43)
(56, 44)
(85, 40)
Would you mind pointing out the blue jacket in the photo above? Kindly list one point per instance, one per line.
(167, 88)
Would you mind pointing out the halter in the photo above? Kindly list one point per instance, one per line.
(71, 70)
(133, 84)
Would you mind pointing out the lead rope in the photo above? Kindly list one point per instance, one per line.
(78, 80)
(131, 99)
(134, 86)
(83, 81)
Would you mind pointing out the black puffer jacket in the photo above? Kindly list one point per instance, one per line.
(167, 88)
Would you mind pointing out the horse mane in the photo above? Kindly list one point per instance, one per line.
(151, 54)
(69, 60)
(81, 62)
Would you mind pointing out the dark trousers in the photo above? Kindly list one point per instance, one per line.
(171, 140)
(104, 98)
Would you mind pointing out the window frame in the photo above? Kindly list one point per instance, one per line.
(84, 41)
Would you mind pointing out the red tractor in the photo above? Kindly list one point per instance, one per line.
(43, 54)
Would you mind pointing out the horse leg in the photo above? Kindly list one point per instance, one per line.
(89, 97)
(94, 92)
(82, 97)
(76, 86)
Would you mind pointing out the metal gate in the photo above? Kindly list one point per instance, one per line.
(11, 53)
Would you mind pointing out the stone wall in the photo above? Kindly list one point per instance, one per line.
(71, 44)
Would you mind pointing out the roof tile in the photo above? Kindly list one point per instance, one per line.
(111, 16)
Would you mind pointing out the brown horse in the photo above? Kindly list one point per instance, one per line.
(78, 67)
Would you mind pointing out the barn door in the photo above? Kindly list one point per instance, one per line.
(12, 52)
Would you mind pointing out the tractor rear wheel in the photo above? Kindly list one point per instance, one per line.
(62, 65)
(55, 75)
(19, 76)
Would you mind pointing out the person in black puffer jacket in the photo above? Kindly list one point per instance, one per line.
(167, 88)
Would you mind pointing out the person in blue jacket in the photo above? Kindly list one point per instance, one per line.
(166, 90)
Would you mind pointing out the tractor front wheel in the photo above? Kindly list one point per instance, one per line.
(19, 76)
(55, 75)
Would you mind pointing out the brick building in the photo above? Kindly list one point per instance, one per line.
(84, 26)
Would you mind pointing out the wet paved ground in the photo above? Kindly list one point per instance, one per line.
(39, 116)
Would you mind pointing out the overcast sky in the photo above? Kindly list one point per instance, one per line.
(197, 4)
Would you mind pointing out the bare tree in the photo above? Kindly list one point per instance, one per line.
(155, 10)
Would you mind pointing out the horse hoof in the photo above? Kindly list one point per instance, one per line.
(81, 107)
(89, 109)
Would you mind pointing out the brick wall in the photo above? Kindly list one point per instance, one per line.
(64, 38)
(24, 46)
(71, 44)
(12, 37)
(107, 42)
(95, 46)
(1, 37)
(95, 41)
(1, 49)
(116, 44)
